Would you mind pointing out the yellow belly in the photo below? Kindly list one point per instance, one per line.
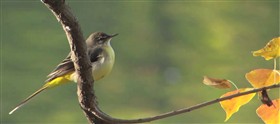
(103, 70)
(104, 67)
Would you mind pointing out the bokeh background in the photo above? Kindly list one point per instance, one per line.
(163, 50)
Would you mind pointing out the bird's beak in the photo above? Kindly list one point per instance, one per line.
(113, 35)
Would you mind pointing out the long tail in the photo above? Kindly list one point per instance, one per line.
(28, 98)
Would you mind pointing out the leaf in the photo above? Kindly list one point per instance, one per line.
(270, 115)
(263, 77)
(231, 106)
(218, 83)
(270, 51)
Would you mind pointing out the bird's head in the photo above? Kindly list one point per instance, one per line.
(99, 38)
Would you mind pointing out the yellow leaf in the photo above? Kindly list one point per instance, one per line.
(271, 49)
(270, 115)
(263, 77)
(231, 106)
(218, 83)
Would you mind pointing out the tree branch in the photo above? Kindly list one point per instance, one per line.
(79, 57)
(184, 110)
(81, 61)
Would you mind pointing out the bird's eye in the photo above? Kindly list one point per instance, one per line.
(102, 37)
(100, 40)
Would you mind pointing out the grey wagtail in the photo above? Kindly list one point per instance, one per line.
(101, 56)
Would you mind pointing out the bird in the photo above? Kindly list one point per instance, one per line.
(102, 57)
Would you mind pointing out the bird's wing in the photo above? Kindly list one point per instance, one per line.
(67, 65)
(95, 54)
(64, 67)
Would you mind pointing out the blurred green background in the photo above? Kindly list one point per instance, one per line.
(163, 51)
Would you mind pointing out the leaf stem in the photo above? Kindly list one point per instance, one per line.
(275, 64)
(233, 84)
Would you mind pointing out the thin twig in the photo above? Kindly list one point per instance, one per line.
(184, 110)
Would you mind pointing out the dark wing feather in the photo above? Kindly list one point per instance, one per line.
(95, 54)
(64, 67)
(67, 65)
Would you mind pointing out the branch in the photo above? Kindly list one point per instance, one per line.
(81, 61)
(79, 57)
(184, 110)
